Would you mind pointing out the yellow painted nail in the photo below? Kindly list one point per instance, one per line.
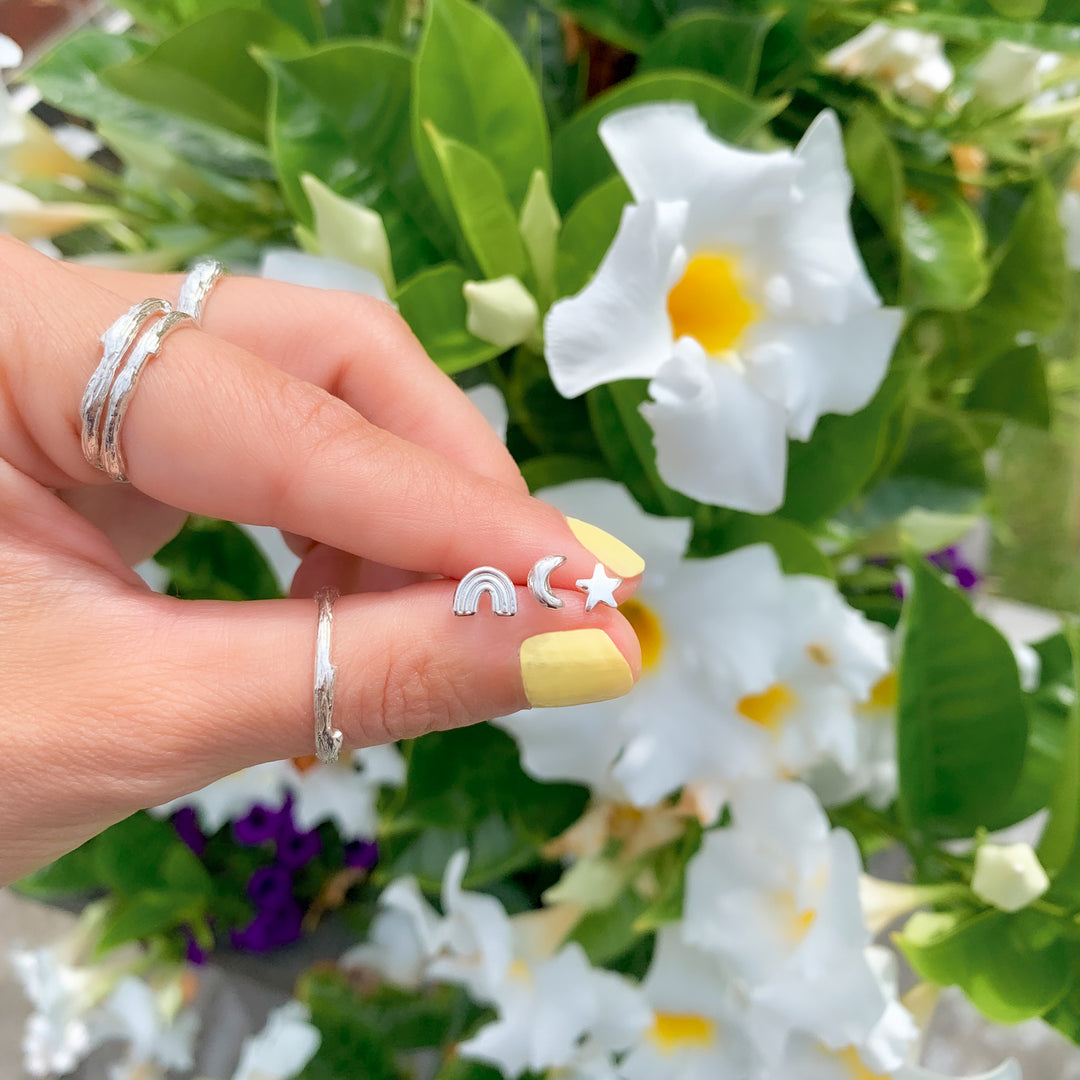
(572, 667)
(613, 553)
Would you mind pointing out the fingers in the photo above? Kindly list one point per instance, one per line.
(356, 347)
(215, 430)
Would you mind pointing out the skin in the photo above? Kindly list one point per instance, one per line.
(315, 412)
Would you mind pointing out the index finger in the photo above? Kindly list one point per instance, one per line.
(216, 430)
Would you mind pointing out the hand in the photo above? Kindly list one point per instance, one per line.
(311, 411)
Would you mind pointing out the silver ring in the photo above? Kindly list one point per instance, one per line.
(147, 347)
(327, 737)
(116, 344)
(200, 280)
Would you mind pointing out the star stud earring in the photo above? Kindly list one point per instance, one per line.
(600, 588)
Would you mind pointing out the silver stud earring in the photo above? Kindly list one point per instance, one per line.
(485, 579)
(538, 580)
(600, 588)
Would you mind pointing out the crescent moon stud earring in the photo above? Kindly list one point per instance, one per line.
(539, 584)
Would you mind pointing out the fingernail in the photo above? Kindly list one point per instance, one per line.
(572, 667)
(613, 553)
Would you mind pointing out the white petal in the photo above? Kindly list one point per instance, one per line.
(319, 272)
(664, 151)
(812, 369)
(812, 243)
(717, 438)
(284, 1046)
(1007, 74)
(661, 541)
(11, 55)
(617, 327)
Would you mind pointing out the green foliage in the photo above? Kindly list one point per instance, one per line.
(433, 304)
(466, 789)
(962, 725)
(215, 560)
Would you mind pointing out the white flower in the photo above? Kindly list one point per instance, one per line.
(747, 672)
(345, 793)
(320, 272)
(284, 1046)
(1069, 212)
(908, 62)
(1008, 876)
(155, 1034)
(554, 1010)
(26, 217)
(735, 285)
(502, 311)
(1008, 73)
(12, 111)
(775, 896)
(697, 1032)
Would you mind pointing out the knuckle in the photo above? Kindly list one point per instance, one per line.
(415, 694)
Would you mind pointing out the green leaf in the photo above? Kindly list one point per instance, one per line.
(1047, 35)
(206, 70)
(551, 469)
(941, 449)
(341, 113)
(75, 872)
(471, 82)
(1029, 291)
(581, 161)
(484, 214)
(876, 169)
(724, 44)
(144, 914)
(1014, 385)
(625, 438)
(629, 24)
(717, 531)
(588, 232)
(466, 788)
(827, 472)
(1059, 848)
(539, 224)
(1019, 9)
(1012, 967)
(944, 252)
(962, 725)
(433, 304)
(216, 560)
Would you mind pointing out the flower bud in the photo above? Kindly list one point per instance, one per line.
(502, 311)
(1008, 876)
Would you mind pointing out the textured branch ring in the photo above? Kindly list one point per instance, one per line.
(198, 284)
(327, 737)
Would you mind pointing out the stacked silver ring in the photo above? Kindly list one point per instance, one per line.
(127, 346)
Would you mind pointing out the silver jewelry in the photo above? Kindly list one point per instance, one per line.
(485, 579)
(600, 588)
(147, 347)
(327, 737)
(116, 343)
(198, 284)
(538, 580)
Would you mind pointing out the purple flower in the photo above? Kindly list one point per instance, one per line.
(270, 887)
(270, 929)
(945, 559)
(296, 849)
(261, 823)
(361, 854)
(194, 952)
(966, 577)
(187, 828)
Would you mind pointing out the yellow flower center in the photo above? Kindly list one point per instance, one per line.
(770, 707)
(883, 696)
(647, 627)
(677, 1031)
(849, 1058)
(707, 303)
